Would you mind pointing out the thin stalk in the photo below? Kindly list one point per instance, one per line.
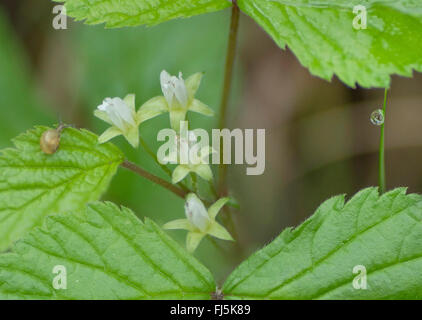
(163, 167)
(154, 156)
(382, 184)
(145, 174)
(212, 189)
(228, 75)
(194, 183)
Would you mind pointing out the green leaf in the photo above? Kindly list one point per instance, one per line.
(321, 35)
(34, 185)
(108, 253)
(124, 13)
(316, 260)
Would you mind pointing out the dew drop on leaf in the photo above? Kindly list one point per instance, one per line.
(377, 117)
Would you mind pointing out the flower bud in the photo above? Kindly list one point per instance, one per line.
(196, 212)
(174, 87)
(119, 112)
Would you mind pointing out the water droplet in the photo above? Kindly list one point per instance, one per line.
(377, 117)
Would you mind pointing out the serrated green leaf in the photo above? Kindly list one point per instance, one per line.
(316, 260)
(125, 13)
(108, 253)
(34, 185)
(321, 35)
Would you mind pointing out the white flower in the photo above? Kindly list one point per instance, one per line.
(187, 145)
(196, 212)
(190, 157)
(119, 112)
(178, 98)
(174, 87)
(200, 221)
(121, 115)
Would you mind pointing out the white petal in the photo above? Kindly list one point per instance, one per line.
(166, 87)
(124, 111)
(173, 86)
(107, 107)
(164, 77)
(115, 117)
(103, 106)
(196, 212)
(118, 112)
(181, 92)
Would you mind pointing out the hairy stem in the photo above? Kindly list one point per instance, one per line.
(145, 174)
(382, 184)
(228, 75)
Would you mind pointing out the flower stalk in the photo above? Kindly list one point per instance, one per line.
(145, 174)
(382, 183)
(163, 167)
(228, 75)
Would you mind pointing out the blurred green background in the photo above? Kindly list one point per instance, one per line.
(319, 140)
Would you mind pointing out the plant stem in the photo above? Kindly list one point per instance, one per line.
(382, 184)
(154, 156)
(194, 183)
(228, 75)
(145, 174)
(165, 168)
(213, 190)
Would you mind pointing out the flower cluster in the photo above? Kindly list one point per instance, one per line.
(178, 98)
